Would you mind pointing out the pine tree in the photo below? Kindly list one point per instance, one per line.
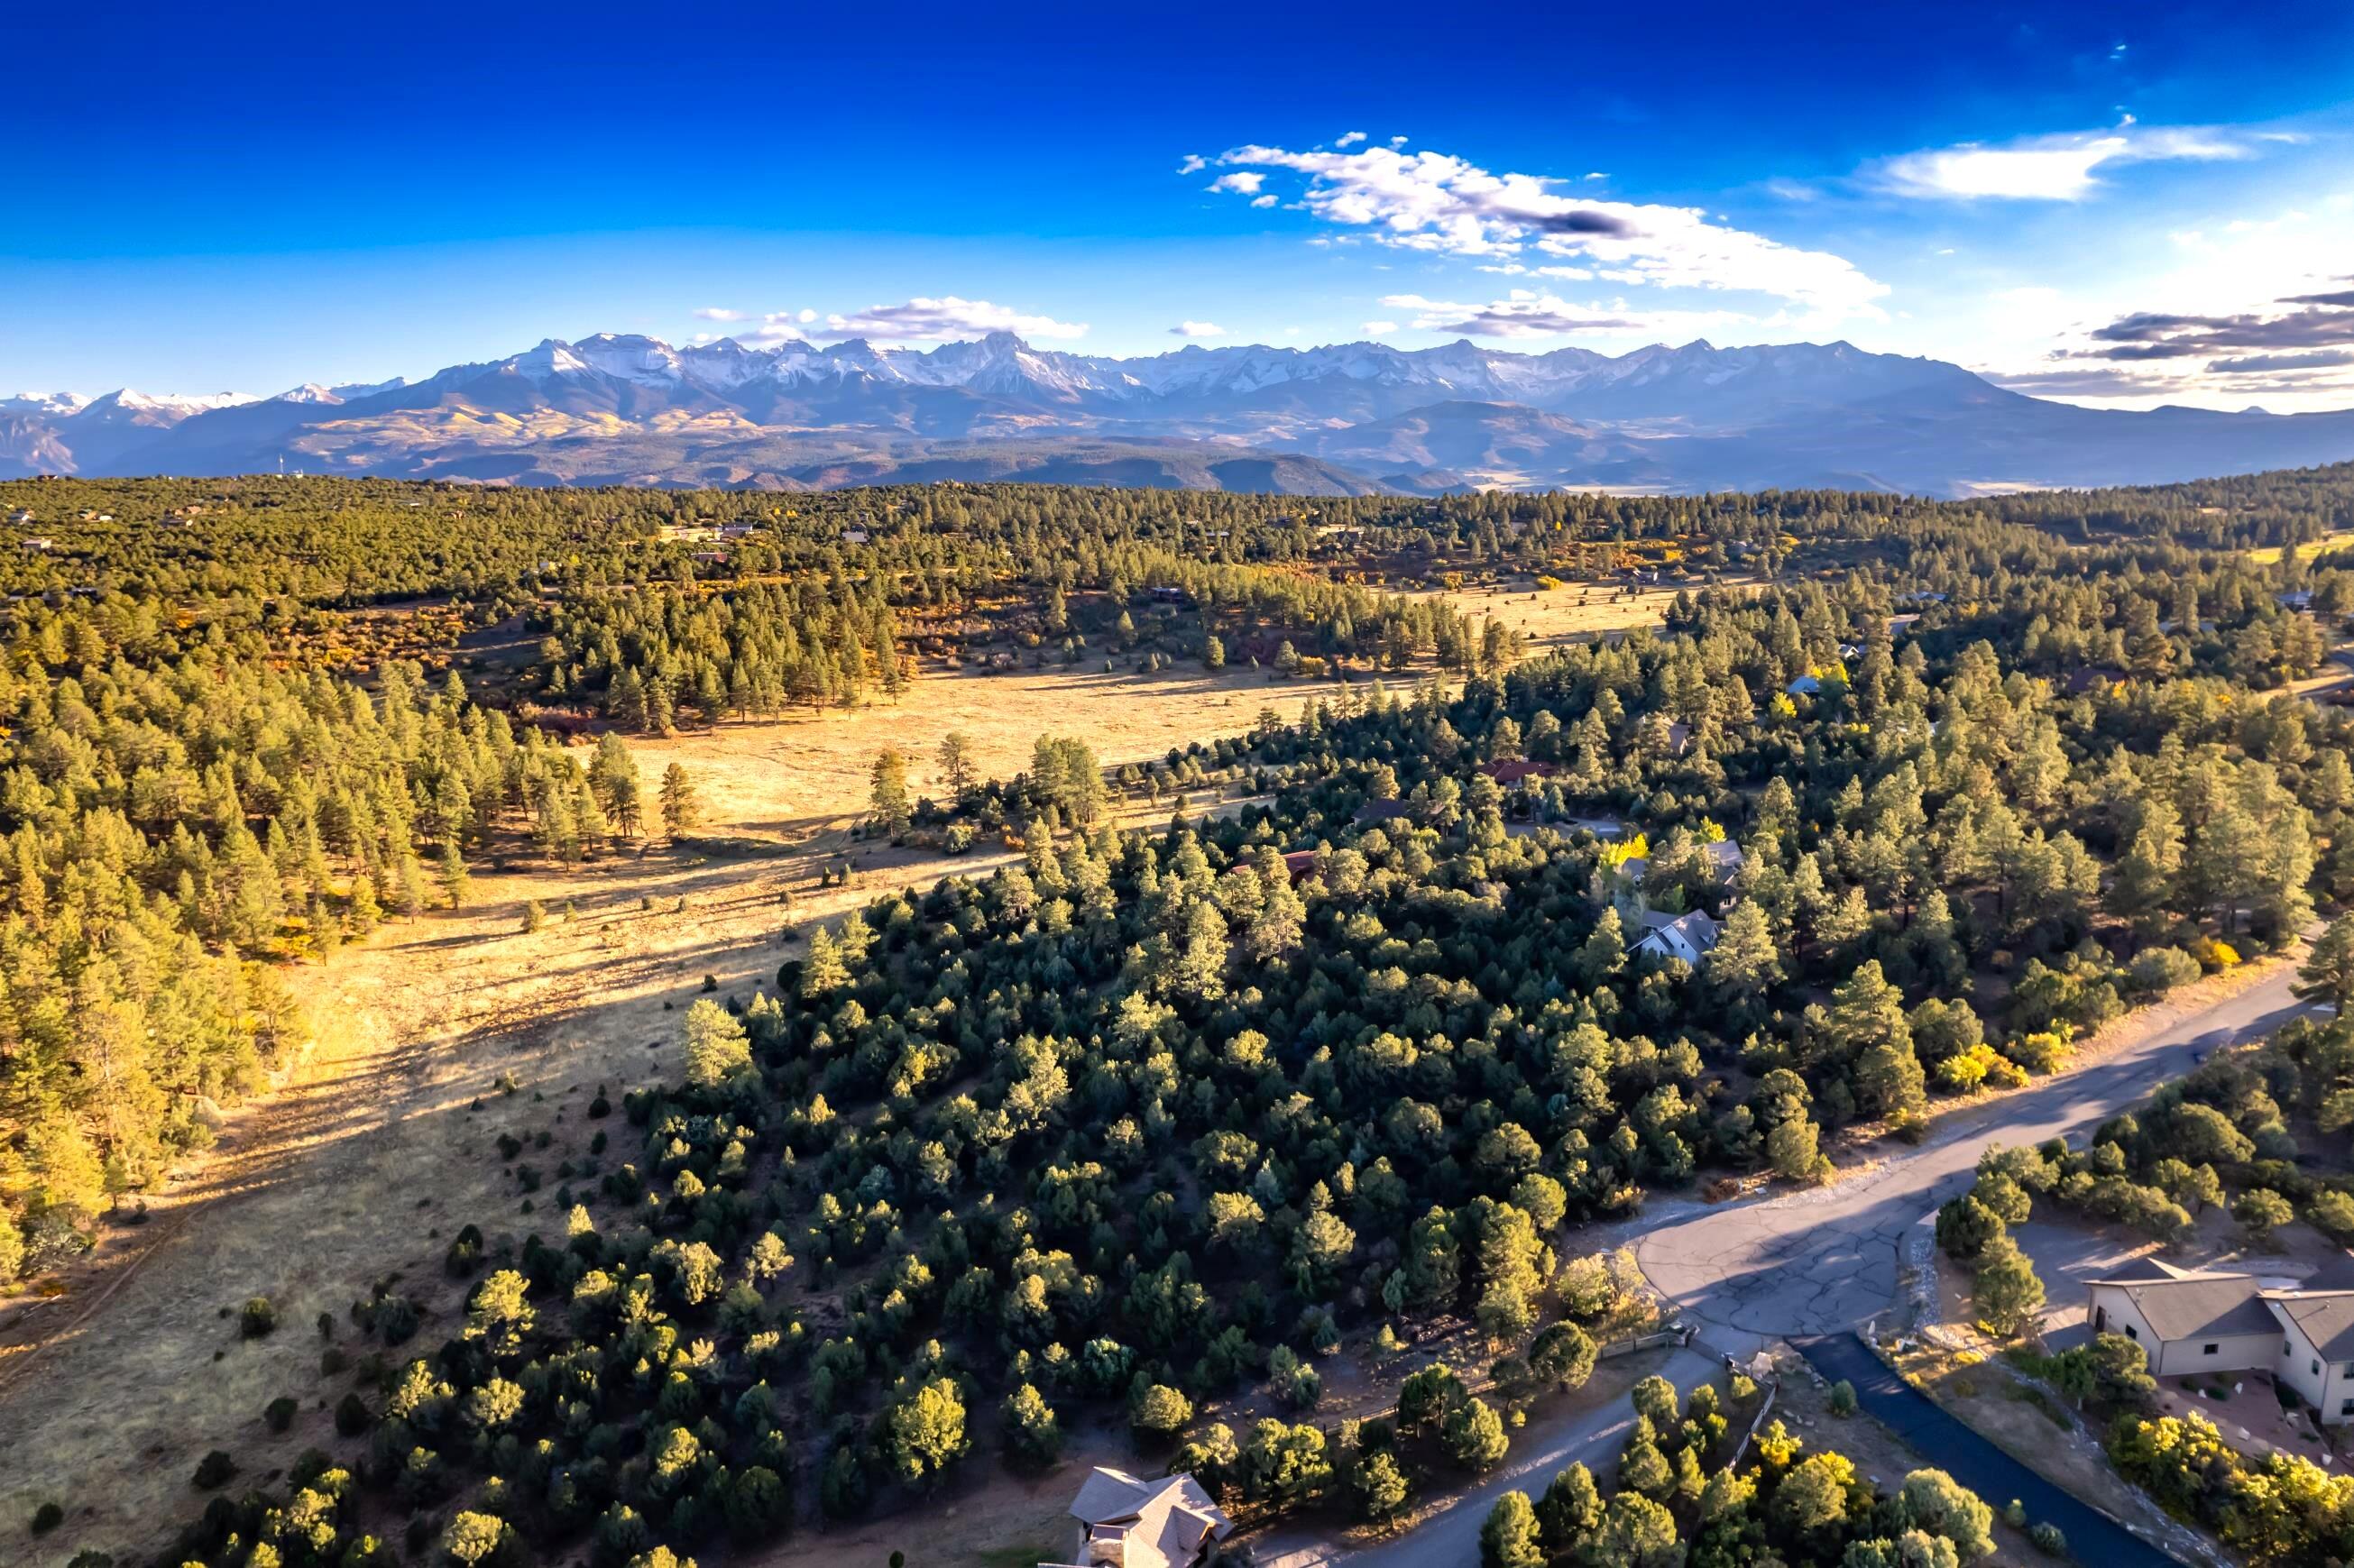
(452, 875)
(888, 792)
(680, 808)
(2327, 974)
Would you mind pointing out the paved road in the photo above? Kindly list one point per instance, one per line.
(1822, 1262)
(1995, 1476)
(1450, 1539)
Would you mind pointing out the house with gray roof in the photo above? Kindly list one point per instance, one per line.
(1128, 1523)
(2188, 1322)
(1686, 936)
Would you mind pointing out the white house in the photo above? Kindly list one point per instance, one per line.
(2316, 1356)
(1804, 686)
(1686, 936)
(2188, 1323)
(1125, 1522)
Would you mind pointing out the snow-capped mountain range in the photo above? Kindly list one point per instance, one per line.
(1360, 416)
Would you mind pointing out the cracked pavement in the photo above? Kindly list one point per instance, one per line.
(1822, 1261)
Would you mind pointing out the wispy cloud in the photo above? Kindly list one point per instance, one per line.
(1197, 329)
(2062, 168)
(719, 313)
(1525, 314)
(1378, 328)
(1243, 183)
(1348, 139)
(948, 318)
(781, 326)
(2152, 335)
(1434, 202)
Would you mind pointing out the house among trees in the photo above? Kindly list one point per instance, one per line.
(1377, 811)
(2092, 679)
(22, 515)
(2187, 1323)
(1517, 770)
(1686, 936)
(1804, 686)
(1125, 1522)
(1723, 857)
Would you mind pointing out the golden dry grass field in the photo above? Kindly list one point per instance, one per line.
(119, 1375)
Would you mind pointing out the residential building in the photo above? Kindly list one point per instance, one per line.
(1686, 936)
(1128, 1522)
(2188, 1323)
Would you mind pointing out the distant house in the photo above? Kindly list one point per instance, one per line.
(1686, 936)
(1603, 827)
(2188, 1322)
(1851, 649)
(854, 535)
(710, 558)
(1679, 739)
(1517, 770)
(1721, 858)
(1125, 1522)
(1804, 686)
(36, 545)
(1295, 863)
(22, 515)
(1898, 625)
(1374, 812)
(2295, 598)
(2079, 681)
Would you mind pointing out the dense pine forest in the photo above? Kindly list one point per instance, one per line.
(1153, 1118)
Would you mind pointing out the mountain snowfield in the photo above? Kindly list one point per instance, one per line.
(1358, 417)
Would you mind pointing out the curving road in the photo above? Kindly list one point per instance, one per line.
(1821, 1262)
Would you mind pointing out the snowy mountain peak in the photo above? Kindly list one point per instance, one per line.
(159, 405)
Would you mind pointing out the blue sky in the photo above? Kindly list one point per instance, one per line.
(2124, 203)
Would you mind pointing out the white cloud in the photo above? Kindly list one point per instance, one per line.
(1433, 201)
(1349, 138)
(2047, 168)
(1240, 183)
(1193, 164)
(1198, 329)
(921, 320)
(1569, 274)
(717, 313)
(781, 326)
(1263, 201)
(1377, 328)
(1525, 314)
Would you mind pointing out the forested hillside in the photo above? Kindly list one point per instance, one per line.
(1149, 1119)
